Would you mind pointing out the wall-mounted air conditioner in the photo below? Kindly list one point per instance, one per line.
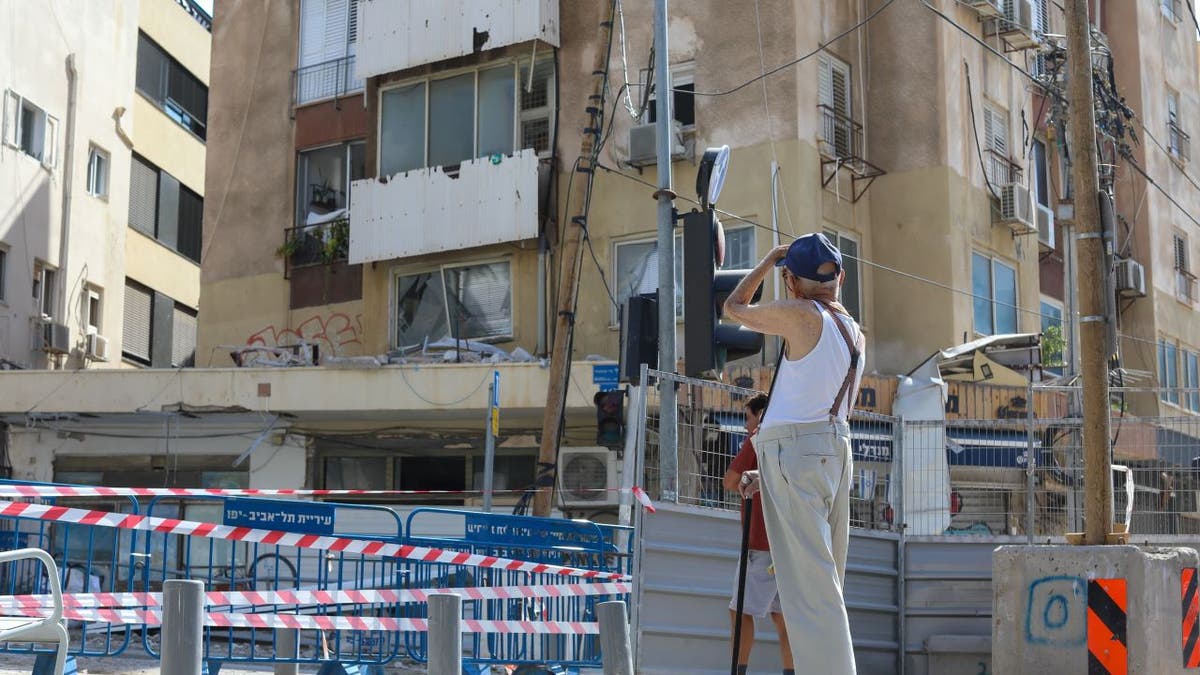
(1131, 279)
(587, 477)
(987, 9)
(56, 337)
(1045, 225)
(1016, 27)
(1016, 208)
(643, 144)
(97, 347)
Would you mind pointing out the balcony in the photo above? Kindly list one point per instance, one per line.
(840, 143)
(1178, 142)
(1000, 169)
(322, 241)
(1185, 286)
(330, 79)
(489, 200)
(396, 36)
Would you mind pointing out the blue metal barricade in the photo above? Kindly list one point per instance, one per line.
(90, 559)
(550, 540)
(246, 566)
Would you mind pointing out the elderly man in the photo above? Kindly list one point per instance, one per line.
(803, 444)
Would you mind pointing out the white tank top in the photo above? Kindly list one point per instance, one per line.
(806, 387)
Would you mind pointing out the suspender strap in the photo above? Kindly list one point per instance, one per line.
(850, 372)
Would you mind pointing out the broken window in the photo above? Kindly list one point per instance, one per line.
(471, 302)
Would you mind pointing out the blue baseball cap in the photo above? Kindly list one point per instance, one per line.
(806, 255)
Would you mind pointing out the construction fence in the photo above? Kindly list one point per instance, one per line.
(1001, 461)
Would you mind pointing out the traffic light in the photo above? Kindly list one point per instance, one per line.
(610, 418)
(709, 344)
(639, 336)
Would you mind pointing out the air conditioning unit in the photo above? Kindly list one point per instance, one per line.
(56, 338)
(643, 144)
(1045, 225)
(987, 8)
(587, 477)
(1016, 27)
(97, 347)
(1016, 208)
(1131, 279)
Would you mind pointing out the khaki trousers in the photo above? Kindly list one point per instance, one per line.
(806, 472)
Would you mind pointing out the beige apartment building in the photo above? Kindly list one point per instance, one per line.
(103, 125)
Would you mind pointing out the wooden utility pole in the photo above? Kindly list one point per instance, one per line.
(1091, 279)
(570, 256)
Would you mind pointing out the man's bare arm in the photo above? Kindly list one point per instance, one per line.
(772, 318)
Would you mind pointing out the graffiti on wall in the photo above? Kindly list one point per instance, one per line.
(1056, 612)
(336, 334)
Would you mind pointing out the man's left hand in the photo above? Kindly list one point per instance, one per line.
(749, 485)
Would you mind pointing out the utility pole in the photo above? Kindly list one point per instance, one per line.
(570, 256)
(1091, 281)
(664, 131)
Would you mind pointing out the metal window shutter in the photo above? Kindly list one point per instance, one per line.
(136, 321)
(312, 32)
(150, 62)
(352, 24)
(824, 81)
(337, 18)
(1180, 253)
(183, 338)
(840, 87)
(143, 197)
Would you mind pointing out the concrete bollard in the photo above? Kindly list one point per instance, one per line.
(445, 634)
(615, 653)
(1055, 608)
(183, 627)
(287, 640)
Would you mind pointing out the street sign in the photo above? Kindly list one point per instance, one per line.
(277, 514)
(494, 404)
(606, 376)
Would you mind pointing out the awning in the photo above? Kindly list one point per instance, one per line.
(1000, 448)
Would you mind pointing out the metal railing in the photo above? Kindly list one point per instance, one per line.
(1178, 142)
(1185, 286)
(841, 136)
(307, 245)
(197, 12)
(1001, 170)
(330, 79)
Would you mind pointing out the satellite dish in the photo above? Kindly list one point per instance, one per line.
(710, 177)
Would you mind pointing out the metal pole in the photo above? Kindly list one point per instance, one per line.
(445, 634)
(489, 449)
(1097, 464)
(615, 654)
(286, 642)
(629, 462)
(898, 522)
(183, 627)
(664, 133)
(1030, 459)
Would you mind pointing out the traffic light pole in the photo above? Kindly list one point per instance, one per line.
(668, 458)
(1097, 464)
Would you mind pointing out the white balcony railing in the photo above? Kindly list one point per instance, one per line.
(428, 211)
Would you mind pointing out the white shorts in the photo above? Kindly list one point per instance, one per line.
(762, 595)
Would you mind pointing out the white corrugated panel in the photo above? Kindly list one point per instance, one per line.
(426, 211)
(398, 35)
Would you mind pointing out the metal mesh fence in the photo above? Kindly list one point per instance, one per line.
(1000, 461)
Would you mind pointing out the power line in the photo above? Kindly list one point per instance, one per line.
(1033, 78)
(1129, 158)
(820, 48)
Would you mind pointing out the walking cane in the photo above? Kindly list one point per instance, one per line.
(741, 596)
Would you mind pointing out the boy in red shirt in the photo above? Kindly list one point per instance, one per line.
(762, 595)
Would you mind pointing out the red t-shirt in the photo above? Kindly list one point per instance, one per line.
(745, 461)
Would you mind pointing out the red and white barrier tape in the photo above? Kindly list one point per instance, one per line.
(276, 537)
(302, 597)
(153, 617)
(18, 490)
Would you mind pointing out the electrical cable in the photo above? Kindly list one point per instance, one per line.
(820, 48)
(975, 131)
(1128, 156)
(991, 49)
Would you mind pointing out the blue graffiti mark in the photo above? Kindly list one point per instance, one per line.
(1056, 613)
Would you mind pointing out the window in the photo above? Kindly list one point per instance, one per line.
(851, 287)
(1041, 20)
(683, 97)
(637, 272)
(183, 337)
(3, 274)
(448, 120)
(1171, 9)
(323, 178)
(137, 322)
(1000, 170)
(994, 285)
(1177, 140)
(97, 177)
(470, 302)
(834, 104)
(44, 278)
(1168, 371)
(162, 207)
(1192, 380)
(328, 37)
(179, 94)
(1040, 182)
(1053, 336)
(740, 253)
(91, 310)
(1185, 281)
(29, 129)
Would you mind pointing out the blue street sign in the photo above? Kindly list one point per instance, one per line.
(606, 376)
(273, 514)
